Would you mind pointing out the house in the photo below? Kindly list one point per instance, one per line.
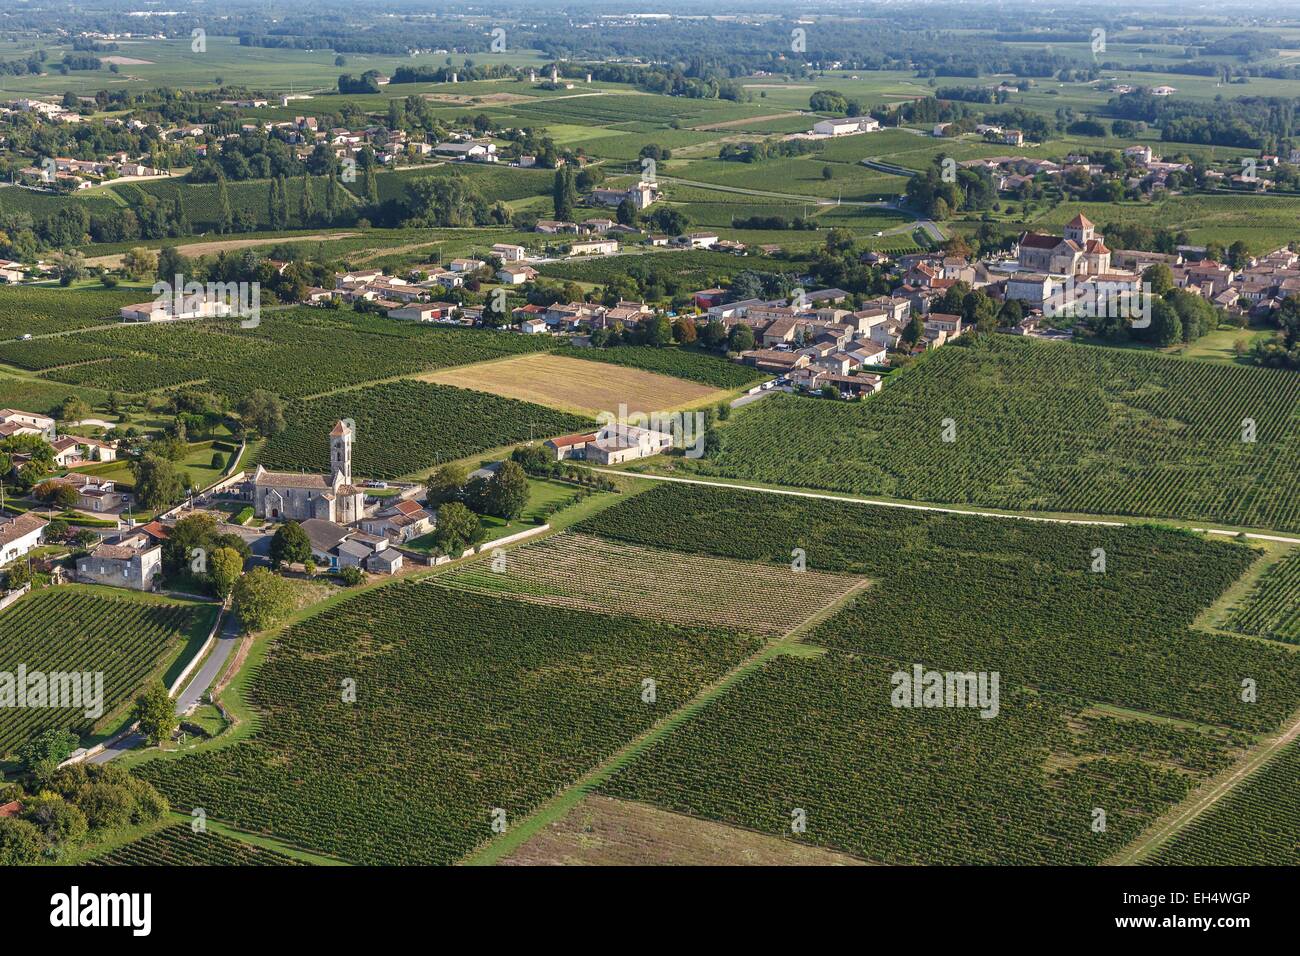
(11, 271)
(424, 312)
(555, 226)
(707, 298)
(73, 450)
(847, 126)
(1010, 137)
(507, 252)
(1033, 288)
(698, 240)
(134, 561)
(595, 247)
(280, 495)
(532, 326)
(466, 265)
(16, 422)
(642, 195)
(944, 322)
(169, 309)
(570, 446)
(400, 522)
(477, 151)
(516, 275)
(1141, 154)
(19, 535)
(617, 443)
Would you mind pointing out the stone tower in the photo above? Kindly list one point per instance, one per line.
(341, 453)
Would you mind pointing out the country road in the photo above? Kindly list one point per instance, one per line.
(192, 693)
(881, 503)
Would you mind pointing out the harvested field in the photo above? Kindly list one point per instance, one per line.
(604, 832)
(588, 573)
(577, 386)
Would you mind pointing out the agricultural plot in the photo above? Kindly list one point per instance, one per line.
(1272, 608)
(800, 175)
(1044, 426)
(452, 719)
(588, 573)
(295, 353)
(177, 845)
(70, 629)
(1257, 824)
(585, 388)
(407, 426)
(943, 785)
(1019, 597)
(686, 270)
(689, 364)
(40, 396)
(25, 310)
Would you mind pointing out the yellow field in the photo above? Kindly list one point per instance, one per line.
(578, 386)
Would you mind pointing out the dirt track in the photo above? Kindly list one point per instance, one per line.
(224, 245)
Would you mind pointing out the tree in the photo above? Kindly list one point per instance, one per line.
(564, 193)
(57, 494)
(659, 331)
(225, 215)
(458, 528)
(915, 329)
(224, 568)
(1160, 278)
(290, 545)
(508, 491)
(261, 410)
(156, 712)
(262, 599)
(41, 755)
(827, 172)
(741, 338)
(21, 842)
(158, 482)
(306, 204)
(140, 262)
(626, 213)
(684, 330)
(73, 409)
(445, 484)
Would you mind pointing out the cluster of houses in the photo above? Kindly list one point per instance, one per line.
(84, 173)
(52, 112)
(613, 444)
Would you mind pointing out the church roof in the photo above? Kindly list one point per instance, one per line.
(289, 479)
(1080, 222)
(1096, 246)
(1037, 240)
(339, 429)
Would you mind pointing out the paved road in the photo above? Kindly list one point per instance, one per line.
(192, 693)
(750, 399)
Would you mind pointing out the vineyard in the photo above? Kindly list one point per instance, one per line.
(679, 363)
(1044, 620)
(1272, 609)
(463, 704)
(687, 269)
(73, 630)
(900, 786)
(294, 353)
(407, 426)
(177, 845)
(1044, 426)
(587, 573)
(1257, 824)
(25, 310)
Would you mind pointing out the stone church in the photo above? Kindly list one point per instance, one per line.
(284, 495)
(1081, 251)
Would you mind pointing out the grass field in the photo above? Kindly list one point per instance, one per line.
(585, 388)
(573, 571)
(604, 832)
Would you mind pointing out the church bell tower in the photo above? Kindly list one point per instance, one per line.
(341, 453)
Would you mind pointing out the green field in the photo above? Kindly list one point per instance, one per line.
(451, 721)
(1043, 426)
(1272, 608)
(1257, 824)
(178, 845)
(409, 426)
(126, 637)
(1108, 698)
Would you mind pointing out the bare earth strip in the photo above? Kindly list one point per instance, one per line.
(600, 831)
(575, 385)
(594, 574)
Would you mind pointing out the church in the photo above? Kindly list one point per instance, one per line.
(1081, 251)
(284, 495)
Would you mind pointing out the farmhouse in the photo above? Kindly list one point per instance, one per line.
(845, 127)
(641, 195)
(516, 275)
(333, 546)
(16, 422)
(280, 495)
(401, 522)
(595, 247)
(508, 252)
(134, 561)
(19, 535)
(165, 309)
